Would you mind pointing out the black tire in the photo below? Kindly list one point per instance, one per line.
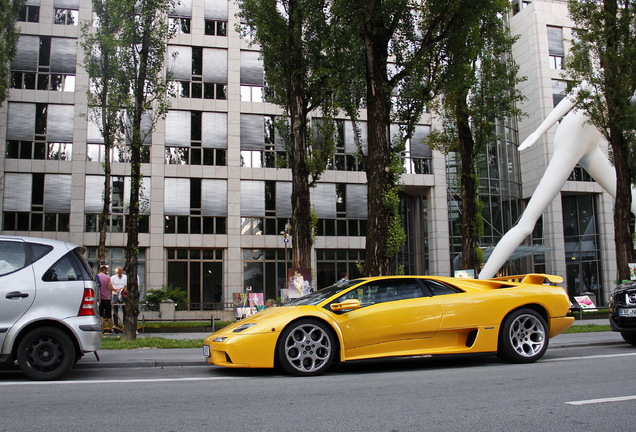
(306, 348)
(46, 353)
(523, 337)
(630, 338)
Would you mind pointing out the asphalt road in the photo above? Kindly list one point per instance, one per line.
(575, 387)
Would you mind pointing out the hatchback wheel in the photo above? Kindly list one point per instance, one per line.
(306, 348)
(523, 337)
(45, 353)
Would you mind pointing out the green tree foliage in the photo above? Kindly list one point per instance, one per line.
(603, 56)
(398, 49)
(9, 34)
(293, 38)
(477, 89)
(135, 38)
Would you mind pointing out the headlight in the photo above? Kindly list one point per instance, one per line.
(219, 339)
(243, 327)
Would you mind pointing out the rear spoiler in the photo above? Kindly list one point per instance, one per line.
(532, 278)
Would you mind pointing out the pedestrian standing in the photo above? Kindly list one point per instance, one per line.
(120, 287)
(105, 293)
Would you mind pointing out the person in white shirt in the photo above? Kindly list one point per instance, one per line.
(120, 282)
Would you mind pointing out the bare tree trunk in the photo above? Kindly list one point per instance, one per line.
(378, 163)
(301, 198)
(616, 102)
(469, 186)
(622, 205)
(132, 228)
(105, 215)
(132, 246)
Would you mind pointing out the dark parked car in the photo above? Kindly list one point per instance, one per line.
(623, 311)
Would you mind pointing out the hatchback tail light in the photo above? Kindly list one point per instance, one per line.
(88, 303)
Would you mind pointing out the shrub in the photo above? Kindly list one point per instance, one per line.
(176, 294)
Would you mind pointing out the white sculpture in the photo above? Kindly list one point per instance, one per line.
(575, 141)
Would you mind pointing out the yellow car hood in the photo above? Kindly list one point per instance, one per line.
(269, 320)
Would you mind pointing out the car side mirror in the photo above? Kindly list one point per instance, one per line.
(346, 305)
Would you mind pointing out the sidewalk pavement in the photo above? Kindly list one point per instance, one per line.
(194, 356)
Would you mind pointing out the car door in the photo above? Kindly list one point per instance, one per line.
(17, 285)
(397, 316)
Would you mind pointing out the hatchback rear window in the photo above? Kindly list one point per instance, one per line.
(67, 268)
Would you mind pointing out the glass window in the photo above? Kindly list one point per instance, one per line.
(39, 250)
(265, 271)
(114, 257)
(215, 28)
(12, 257)
(65, 269)
(438, 288)
(66, 17)
(556, 49)
(181, 25)
(29, 14)
(199, 272)
(383, 291)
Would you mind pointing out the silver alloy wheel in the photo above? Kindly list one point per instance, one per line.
(527, 335)
(308, 348)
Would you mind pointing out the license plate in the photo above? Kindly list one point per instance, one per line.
(627, 312)
(206, 350)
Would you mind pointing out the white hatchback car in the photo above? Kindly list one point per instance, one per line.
(48, 315)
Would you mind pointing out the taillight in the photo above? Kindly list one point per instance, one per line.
(88, 303)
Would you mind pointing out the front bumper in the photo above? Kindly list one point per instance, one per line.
(242, 350)
(623, 325)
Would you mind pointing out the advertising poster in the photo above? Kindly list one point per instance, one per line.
(298, 282)
(256, 301)
(585, 302)
(247, 304)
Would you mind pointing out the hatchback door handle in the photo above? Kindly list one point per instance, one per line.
(14, 294)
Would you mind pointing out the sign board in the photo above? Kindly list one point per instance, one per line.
(585, 302)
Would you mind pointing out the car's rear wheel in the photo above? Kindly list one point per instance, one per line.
(306, 348)
(630, 338)
(523, 337)
(45, 353)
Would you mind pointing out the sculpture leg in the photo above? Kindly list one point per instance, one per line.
(601, 170)
(555, 176)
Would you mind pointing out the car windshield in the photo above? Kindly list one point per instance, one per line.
(316, 297)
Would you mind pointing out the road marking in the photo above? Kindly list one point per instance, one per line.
(588, 357)
(115, 381)
(603, 400)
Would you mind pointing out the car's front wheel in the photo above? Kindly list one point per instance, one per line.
(45, 353)
(523, 337)
(306, 348)
(630, 338)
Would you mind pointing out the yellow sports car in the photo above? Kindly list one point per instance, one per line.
(398, 316)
